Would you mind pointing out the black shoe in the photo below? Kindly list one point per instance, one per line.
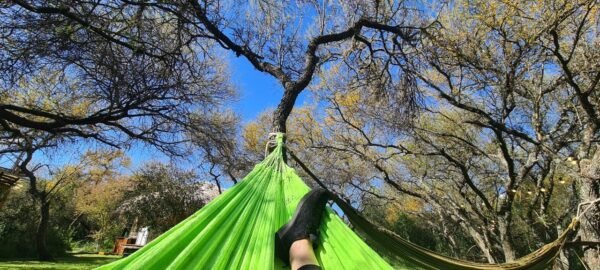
(304, 224)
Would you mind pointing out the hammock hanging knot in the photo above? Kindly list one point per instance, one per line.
(274, 140)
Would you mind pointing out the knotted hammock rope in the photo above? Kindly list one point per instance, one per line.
(236, 231)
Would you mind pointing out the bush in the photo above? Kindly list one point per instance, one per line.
(18, 226)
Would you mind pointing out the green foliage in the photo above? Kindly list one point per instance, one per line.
(84, 246)
(18, 224)
(414, 229)
(92, 202)
(80, 261)
(96, 203)
(163, 195)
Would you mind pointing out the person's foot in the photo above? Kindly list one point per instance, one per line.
(304, 224)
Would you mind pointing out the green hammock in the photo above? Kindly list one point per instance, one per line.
(236, 231)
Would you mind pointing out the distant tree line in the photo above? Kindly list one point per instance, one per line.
(91, 207)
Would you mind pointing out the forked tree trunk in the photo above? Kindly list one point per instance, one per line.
(485, 249)
(481, 243)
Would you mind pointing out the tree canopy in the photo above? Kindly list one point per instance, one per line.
(476, 119)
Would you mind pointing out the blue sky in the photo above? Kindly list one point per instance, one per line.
(257, 91)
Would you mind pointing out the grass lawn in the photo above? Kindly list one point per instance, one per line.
(78, 261)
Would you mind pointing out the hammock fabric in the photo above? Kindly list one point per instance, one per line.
(237, 231)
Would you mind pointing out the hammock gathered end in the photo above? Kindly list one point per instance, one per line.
(237, 231)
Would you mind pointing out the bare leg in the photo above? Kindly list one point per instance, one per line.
(304, 225)
(302, 253)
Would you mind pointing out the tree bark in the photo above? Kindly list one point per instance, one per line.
(42, 196)
(504, 224)
(482, 244)
(281, 114)
(589, 229)
(563, 257)
(42, 247)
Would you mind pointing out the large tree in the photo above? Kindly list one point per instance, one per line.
(61, 77)
(527, 76)
(505, 144)
(102, 72)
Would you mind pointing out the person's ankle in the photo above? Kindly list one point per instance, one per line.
(302, 253)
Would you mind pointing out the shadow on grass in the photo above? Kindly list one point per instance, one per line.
(76, 261)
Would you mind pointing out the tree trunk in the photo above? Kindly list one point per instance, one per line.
(481, 243)
(481, 240)
(589, 191)
(506, 238)
(283, 110)
(42, 248)
(563, 257)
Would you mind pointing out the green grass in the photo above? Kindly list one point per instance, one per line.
(79, 261)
